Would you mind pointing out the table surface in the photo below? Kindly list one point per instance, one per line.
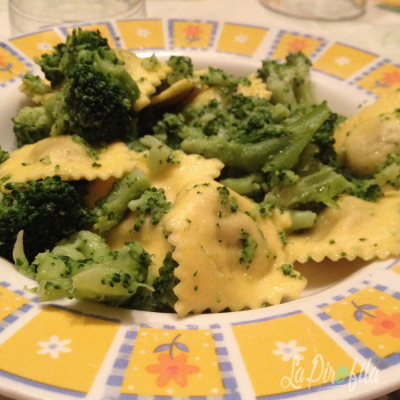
(377, 30)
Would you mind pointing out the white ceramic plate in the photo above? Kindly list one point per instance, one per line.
(345, 330)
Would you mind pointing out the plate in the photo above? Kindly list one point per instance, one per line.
(323, 342)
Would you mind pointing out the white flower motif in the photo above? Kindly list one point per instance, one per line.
(44, 46)
(342, 60)
(241, 38)
(290, 350)
(54, 346)
(143, 32)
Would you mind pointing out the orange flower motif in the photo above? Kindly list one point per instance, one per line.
(384, 323)
(4, 65)
(297, 45)
(193, 32)
(172, 368)
(391, 78)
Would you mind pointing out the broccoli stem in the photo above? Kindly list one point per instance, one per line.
(270, 154)
(301, 219)
(320, 186)
(246, 185)
(110, 210)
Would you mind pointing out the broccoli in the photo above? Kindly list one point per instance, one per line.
(91, 93)
(33, 86)
(218, 77)
(279, 151)
(324, 140)
(226, 199)
(373, 187)
(110, 210)
(289, 191)
(94, 106)
(31, 124)
(84, 267)
(290, 82)
(152, 202)
(182, 67)
(159, 153)
(248, 185)
(162, 298)
(249, 248)
(45, 210)
(4, 155)
(366, 189)
(79, 45)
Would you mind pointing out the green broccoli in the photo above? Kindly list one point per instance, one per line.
(162, 298)
(247, 185)
(84, 267)
(218, 77)
(31, 124)
(226, 199)
(249, 248)
(182, 67)
(110, 210)
(290, 82)
(151, 202)
(33, 85)
(94, 106)
(281, 150)
(45, 210)
(79, 45)
(94, 94)
(371, 188)
(289, 191)
(4, 155)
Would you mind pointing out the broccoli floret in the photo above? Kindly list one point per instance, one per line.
(153, 203)
(290, 82)
(162, 298)
(31, 124)
(373, 187)
(325, 140)
(79, 45)
(182, 67)
(281, 151)
(84, 267)
(4, 155)
(34, 87)
(289, 190)
(218, 77)
(46, 210)
(94, 107)
(95, 94)
(110, 209)
(366, 189)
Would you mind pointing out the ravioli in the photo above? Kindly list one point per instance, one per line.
(147, 78)
(151, 237)
(210, 244)
(61, 155)
(366, 139)
(172, 177)
(175, 94)
(358, 228)
(205, 93)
